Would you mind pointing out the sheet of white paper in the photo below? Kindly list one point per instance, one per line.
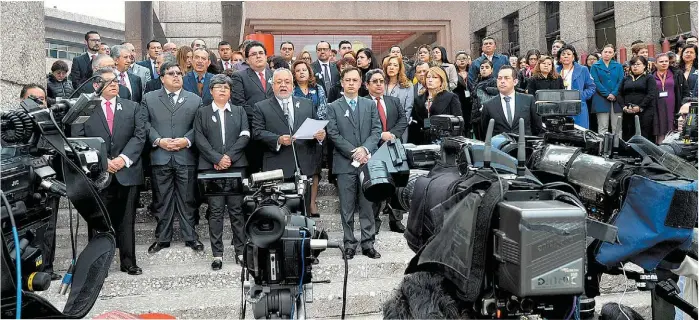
(309, 128)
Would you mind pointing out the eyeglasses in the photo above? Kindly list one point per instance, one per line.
(306, 58)
(221, 88)
(173, 73)
(287, 49)
(378, 81)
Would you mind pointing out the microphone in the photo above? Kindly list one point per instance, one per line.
(297, 175)
(37, 281)
(488, 144)
(521, 150)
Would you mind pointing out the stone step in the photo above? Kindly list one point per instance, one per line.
(164, 275)
(388, 243)
(326, 204)
(145, 232)
(365, 298)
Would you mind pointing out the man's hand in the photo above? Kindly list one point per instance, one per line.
(165, 143)
(115, 165)
(319, 135)
(611, 97)
(225, 162)
(285, 140)
(217, 167)
(359, 154)
(385, 136)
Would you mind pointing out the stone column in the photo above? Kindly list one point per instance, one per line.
(637, 21)
(232, 22)
(577, 26)
(23, 58)
(693, 9)
(133, 27)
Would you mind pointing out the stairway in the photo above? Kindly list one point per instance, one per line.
(180, 282)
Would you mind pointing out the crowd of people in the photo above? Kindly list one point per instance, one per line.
(190, 110)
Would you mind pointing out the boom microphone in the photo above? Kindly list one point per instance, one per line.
(488, 144)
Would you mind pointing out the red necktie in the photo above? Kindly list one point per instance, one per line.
(262, 80)
(227, 66)
(382, 113)
(110, 115)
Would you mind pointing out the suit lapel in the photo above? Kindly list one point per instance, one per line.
(300, 114)
(217, 127)
(103, 118)
(166, 100)
(181, 99)
(278, 110)
(118, 116)
(255, 78)
(230, 138)
(268, 79)
(498, 104)
(519, 109)
(348, 111)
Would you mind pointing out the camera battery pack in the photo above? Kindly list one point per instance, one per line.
(540, 248)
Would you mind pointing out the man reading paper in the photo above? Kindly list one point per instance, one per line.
(274, 122)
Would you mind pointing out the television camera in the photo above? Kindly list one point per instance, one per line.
(37, 158)
(684, 143)
(281, 242)
(517, 226)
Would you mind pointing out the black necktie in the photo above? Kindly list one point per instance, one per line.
(172, 98)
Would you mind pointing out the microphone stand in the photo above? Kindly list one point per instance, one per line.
(297, 175)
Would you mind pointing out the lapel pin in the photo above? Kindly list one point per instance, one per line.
(269, 81)
(319, 75)
(312, 92)
(297, 104)
(213, 118)
(118, 106)
(180, 101)
(347, 113)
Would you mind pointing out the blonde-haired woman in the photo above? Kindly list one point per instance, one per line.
(184, 58)
(435, 101)
(399, 86)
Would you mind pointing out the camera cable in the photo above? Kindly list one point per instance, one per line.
(243, 273)
(18, 256)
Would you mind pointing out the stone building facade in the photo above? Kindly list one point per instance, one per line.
(518, 26)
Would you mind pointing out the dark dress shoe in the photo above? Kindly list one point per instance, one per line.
(132, 270)
(55, 276)
(314, 215)
(315, 261)
(397, 226)
(157, 246)
(371, 253)
(349, 253)
(217, 264)
(196, 245)
(239, 259)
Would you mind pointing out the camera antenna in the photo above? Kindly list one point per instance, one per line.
(488, 144)
(521, 151)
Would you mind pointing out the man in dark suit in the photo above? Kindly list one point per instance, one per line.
(221, 133)
(102, 61)
(122, 58)
(225, 53)
(171, 114)
(510, 106)
(81, 68)
(271, 126)
(324, 70)
(156, 84)
(355, 129)
(393, 122)
(251, 86)
(154, 49)
(421, 69)
(198, 79)
(122, 125)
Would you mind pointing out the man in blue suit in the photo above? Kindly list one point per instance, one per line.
(197, 80)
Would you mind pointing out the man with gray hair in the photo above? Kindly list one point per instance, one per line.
(123, 59)
(141, 71)
(98, 62)
(156, 84)
(274, 122)
(171, 112)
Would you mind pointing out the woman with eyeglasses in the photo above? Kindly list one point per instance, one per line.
(463, 62)
(437, 100)
(638, 96)
(307, 87)
(399, 86)
(305, 56)
(222, 151)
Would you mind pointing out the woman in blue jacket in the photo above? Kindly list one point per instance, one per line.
(607, 74)
(576, 77)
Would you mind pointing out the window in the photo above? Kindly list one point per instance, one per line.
(674, 18)
(63, 51)
(513, 35)
(553, 22)
(477, 43)
(605, 29)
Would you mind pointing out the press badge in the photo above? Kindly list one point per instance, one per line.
(663, 94)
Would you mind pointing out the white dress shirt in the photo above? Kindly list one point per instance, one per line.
(127, 82)
(113, 106)
(512, 106)
(222, 118)
(289, 107)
